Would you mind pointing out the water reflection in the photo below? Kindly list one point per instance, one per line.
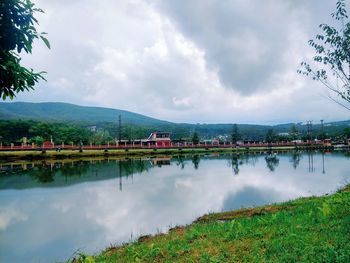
(55, 174)
(272, 161)
(63, 173)
(195, 161)
(235, 163)
(295, 158)
(310, 155)
(48, 210)
(180, 161)
(248, 197)
(323, 169)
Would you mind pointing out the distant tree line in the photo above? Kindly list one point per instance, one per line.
(38, 132)
(29, 131)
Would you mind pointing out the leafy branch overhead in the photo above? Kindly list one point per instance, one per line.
(17, 33)
(332, 60)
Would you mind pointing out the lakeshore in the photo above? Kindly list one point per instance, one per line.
(135, 152)
(306, 229)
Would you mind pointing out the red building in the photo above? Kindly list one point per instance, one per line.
(160, 139)
(48, 144)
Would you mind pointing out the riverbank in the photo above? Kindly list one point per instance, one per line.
(315, 229)
(66, 154)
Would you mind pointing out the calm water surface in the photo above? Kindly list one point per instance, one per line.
(49, 210)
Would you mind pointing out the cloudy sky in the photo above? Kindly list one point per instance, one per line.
(184, 61)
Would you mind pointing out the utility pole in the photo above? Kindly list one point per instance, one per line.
(322, 134)
(309, 130)
(120, 129)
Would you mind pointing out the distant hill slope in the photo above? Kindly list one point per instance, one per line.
(103, 117)
(57, 111)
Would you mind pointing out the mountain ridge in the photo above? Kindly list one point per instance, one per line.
(61, 111)
(105, 117)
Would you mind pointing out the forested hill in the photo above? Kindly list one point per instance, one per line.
(65, 112)
(22, 119)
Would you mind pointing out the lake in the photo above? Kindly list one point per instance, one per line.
(51, 209)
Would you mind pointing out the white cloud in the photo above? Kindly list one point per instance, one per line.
(10, 216)
(187, 62)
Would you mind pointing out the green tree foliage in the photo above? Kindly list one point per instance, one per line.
(38, 140)
(42, 129)
(235, 136)
(293, 133)
(101, 137)
(195, 138)
(17, 33)
(346, 133)
(270, 136)
(13, 131)
(332, 56)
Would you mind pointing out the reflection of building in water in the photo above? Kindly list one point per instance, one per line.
(327, 142)
(160, 161)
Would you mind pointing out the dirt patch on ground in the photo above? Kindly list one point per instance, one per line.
(246, 212)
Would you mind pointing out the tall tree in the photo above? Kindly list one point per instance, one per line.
(195, 138)
(332, 57)
(293, 133)
(270, 136)
(17, 33)
(235, 136)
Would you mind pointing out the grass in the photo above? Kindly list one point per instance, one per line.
(315, 229)
(52, 154)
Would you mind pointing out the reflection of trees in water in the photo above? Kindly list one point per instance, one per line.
(195, 161)
(251, 159)
(180, 161)
(47, 172)
(74, 169)
(272, 162)
(238, 160)
(42, 174)
(126, 167)
(235, 161)
(295, 159)
(131, 166)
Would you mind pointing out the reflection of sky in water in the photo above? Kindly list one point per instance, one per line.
(49, 224)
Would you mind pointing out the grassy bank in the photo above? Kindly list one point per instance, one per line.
(52, 154)
(315, 229)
